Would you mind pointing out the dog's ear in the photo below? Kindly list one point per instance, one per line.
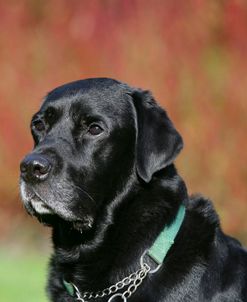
(158, 142)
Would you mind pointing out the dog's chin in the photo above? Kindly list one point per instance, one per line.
(52, 220)
(48, 216)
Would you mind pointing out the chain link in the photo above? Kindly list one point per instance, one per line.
(137, 281)
(134, 280)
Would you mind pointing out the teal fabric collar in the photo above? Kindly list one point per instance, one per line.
(166, 238)
(158, 250)
(69, 288)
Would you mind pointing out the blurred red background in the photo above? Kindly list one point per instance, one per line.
(191, 54)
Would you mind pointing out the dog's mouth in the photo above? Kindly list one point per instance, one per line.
(33, 203)
(39, 207)
(36, 206)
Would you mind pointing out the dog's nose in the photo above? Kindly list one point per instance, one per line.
(35, 167)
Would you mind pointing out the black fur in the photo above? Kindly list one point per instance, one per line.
(110, 194)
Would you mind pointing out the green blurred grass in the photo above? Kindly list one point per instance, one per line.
(22, 277)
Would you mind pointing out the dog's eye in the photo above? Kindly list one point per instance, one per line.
(39, 125)
(94, 129)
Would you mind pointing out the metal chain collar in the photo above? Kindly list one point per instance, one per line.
(157, 252)
(133, 281)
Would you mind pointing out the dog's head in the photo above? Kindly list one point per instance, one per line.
(92, 137)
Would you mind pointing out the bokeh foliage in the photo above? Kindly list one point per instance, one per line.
(23, 278)
(191, 54)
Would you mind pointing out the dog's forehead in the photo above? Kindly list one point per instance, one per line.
(92, 94)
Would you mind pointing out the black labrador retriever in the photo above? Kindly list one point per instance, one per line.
(124, 228)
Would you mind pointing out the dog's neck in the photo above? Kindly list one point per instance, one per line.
(107, 253)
